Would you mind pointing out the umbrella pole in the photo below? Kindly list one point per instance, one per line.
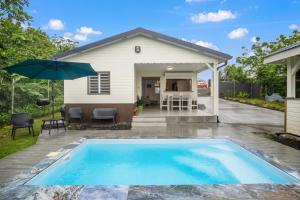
(13, 96)
(52, 96)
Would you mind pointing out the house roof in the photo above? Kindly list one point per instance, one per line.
(282, 54)
(150, 34)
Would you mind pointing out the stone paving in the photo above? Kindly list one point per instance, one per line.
(281, 155)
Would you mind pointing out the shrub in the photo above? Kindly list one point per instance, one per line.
(4, 118)
(242, 95)
(228, 94)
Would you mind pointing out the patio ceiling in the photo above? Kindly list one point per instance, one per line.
(171, 67)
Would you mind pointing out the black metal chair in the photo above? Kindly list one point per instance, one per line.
(62, 122)
(21, 120)
(75, 113)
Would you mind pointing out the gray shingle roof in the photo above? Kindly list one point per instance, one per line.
(297, 44)
(147, 33)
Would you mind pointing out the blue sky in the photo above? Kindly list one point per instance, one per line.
(225, 25)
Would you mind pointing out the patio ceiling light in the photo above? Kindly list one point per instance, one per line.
(169, 68)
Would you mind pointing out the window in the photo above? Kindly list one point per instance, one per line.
(99, 84)
(179, 85)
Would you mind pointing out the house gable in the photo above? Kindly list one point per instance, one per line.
(221, 57)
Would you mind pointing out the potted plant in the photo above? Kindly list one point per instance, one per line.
(135, 111)
(139, 104)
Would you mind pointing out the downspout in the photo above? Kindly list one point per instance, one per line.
(218, 68)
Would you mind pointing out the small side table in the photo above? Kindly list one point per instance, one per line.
(53, 124)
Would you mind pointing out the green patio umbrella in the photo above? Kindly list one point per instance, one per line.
(51, 70)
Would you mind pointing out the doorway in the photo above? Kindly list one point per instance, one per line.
(151, 91)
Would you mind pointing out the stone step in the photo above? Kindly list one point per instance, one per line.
(154, 124)
(149, 119)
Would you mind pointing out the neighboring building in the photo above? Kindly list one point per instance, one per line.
(291, 57)
(202, 84)
(131, 63)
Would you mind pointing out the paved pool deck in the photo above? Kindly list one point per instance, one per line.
(244, 129)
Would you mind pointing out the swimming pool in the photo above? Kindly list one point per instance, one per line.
(160, 162)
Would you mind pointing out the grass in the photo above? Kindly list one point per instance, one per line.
(259, 102)
(22, 139)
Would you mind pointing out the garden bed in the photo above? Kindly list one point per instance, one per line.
(259, 102)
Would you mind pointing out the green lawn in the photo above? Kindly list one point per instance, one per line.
(259, 102)
(22, 139)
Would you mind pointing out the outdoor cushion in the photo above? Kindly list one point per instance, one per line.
(104, 113)
(75, 113)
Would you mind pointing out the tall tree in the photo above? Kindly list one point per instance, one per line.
(13, 11)
(272, 78)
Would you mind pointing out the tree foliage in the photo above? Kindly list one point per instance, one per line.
(18, 44)
(13, 10)
(272, 78)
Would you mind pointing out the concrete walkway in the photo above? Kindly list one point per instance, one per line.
(238, 113)
(238, 122)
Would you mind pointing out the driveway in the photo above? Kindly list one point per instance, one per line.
(238, 113)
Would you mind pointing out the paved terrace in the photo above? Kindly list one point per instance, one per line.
(240, 122)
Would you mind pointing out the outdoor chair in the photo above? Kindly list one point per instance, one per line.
(176, 102)
(194, 104)
(186, 102)
(104, 113)
(21, 120)
(75, 113)
(164, 103)
(62, 122)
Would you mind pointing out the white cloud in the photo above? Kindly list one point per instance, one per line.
(293, 27)
(253, 39)
(88, 30)
(207, 44)
(55, 24)
(203, 43)
(80, 37)
(221, 15)
(238, 33)
(197, 1)
(68, 35)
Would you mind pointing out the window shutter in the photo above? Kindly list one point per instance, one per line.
(99, 84)
(93, 85)
(104, 82)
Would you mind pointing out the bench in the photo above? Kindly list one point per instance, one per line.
(104, 113)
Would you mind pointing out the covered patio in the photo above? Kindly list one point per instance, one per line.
(170, 89)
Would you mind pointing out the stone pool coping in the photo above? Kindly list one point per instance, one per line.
(16, 189)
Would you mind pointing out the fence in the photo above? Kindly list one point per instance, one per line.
(229, 88)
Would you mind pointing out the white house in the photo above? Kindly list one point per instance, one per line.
(291, 57)
(132, 62)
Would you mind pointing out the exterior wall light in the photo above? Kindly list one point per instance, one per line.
(137, 49)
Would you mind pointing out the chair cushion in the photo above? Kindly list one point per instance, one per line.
(104, 113)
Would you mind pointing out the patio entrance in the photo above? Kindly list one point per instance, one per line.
(151, 91)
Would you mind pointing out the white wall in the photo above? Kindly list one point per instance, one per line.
(293, 116)
(119, 59)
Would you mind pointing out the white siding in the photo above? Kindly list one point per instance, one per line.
(293, 116)
(119, 59)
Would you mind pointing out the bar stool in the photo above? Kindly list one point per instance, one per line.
(164, 102)
(186, 102)
(194, 104)
(176, 102)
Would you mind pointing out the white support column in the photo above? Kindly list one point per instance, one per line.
(290, 79)
(215, 89)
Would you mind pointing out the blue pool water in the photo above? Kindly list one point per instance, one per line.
(160, 162)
